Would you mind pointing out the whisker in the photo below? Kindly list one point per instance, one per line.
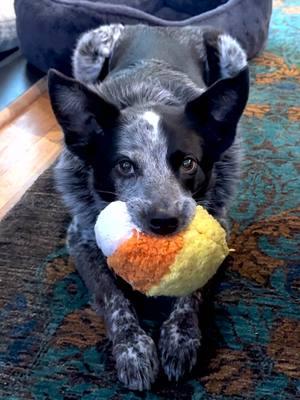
(107, 192)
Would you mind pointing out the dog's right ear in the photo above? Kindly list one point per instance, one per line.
(81, 113)
(217, 111)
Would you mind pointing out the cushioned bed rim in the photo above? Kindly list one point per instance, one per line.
(118, 10)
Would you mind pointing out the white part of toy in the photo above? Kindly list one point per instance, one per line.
(113, 227)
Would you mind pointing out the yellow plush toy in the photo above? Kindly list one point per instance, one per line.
(174, 265)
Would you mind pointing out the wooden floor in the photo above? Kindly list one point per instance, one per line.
(30, 141)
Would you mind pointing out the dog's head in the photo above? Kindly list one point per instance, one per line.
(159, 159)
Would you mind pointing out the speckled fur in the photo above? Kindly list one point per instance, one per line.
(180, 338)
(92, 49)
(135, 353)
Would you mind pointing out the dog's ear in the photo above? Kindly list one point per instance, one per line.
(81, 113)
(216, 113)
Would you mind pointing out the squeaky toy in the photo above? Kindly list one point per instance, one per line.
(173, 265)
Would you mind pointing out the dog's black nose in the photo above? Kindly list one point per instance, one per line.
(163, 223)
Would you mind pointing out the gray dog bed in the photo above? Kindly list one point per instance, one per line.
(48, 29)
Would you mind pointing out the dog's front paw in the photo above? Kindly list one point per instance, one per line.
(136, 361)
(179, 343)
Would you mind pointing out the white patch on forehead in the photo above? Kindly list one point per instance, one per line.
(153, 119)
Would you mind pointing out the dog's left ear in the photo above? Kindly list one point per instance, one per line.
(216, 112)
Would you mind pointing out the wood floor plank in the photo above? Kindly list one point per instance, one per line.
(16, 108)
(17, 180)
(30, 141)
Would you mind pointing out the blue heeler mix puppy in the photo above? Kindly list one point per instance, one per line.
(150, 119)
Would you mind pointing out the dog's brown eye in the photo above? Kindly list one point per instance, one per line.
(189, 165)
(125, 167)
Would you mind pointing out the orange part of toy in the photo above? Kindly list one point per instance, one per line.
(143, 260)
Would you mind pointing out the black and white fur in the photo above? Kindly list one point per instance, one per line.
(152, 97)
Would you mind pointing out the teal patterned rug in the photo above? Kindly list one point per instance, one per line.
(53, 345)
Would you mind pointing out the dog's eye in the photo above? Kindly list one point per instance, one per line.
(189, 165)
(125, 167)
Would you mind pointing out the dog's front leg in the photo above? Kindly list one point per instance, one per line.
(180, 337)
(134, 351)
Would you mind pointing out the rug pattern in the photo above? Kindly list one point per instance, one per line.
(53, 345)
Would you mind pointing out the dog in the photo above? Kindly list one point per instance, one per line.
(151, 119)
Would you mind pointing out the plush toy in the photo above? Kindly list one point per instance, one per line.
(174, 265)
